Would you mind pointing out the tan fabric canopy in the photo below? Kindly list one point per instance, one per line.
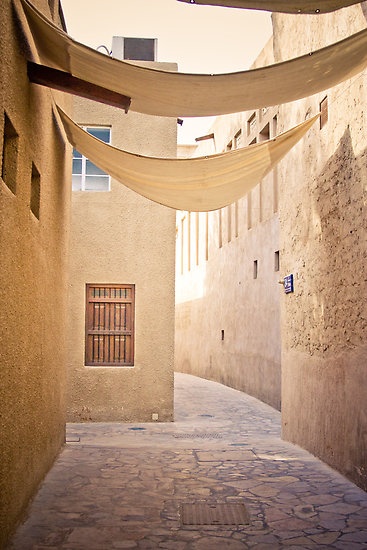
(184, 95)
(285, 6)
(197, 184)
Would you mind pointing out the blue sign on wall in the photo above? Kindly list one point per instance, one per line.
(288, 284)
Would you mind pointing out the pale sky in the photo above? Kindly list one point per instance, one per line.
(200, 39)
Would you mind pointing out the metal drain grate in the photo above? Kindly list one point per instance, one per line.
(198, 436)
(204, 513)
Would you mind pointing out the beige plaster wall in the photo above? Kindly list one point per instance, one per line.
(323, 242)
(121, 237)
(227, 322)
(33, 283)
(222, 295)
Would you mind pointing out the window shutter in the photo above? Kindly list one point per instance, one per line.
(109, 339)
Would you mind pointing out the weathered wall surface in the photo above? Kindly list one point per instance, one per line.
(33, 283)
(323, 242)
(121, 237)
(228, 321)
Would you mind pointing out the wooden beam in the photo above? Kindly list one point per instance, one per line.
(202, 138)
(65, 82)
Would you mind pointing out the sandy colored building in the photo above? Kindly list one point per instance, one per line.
(304, 351)
(119, 241)
(322, 200)
(121, 326)
(227, 265)
(34, 220)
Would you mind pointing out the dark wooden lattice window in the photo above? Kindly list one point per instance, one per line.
(109, 339)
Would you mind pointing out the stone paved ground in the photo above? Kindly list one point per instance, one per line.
(124, 486)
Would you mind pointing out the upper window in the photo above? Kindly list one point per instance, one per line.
(324, 110)
(276, 261)
(10, 155)
(238, 139)
(86, 175)
(35, 191)
(251, 124)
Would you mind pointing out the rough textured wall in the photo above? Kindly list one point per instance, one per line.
(323, 242)
(33, 283)
(121, 237)
(227, 322)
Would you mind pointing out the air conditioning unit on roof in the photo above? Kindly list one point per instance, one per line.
(134, 49)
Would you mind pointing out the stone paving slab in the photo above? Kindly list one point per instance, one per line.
(118, 487)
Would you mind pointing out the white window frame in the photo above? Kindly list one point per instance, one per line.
(84, 164)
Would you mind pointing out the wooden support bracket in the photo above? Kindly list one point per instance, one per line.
(65, 82)
(202, 138)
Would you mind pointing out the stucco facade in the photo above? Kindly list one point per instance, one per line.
(323, 243)
(120, 237)
(317, 334)
(227, 315)
(304, 352)
(34, 216)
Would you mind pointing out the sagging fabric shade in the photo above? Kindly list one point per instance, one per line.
(197, 184)
(173, 94)
(284, 6)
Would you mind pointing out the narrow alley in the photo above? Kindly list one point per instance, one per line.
(219, 477)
